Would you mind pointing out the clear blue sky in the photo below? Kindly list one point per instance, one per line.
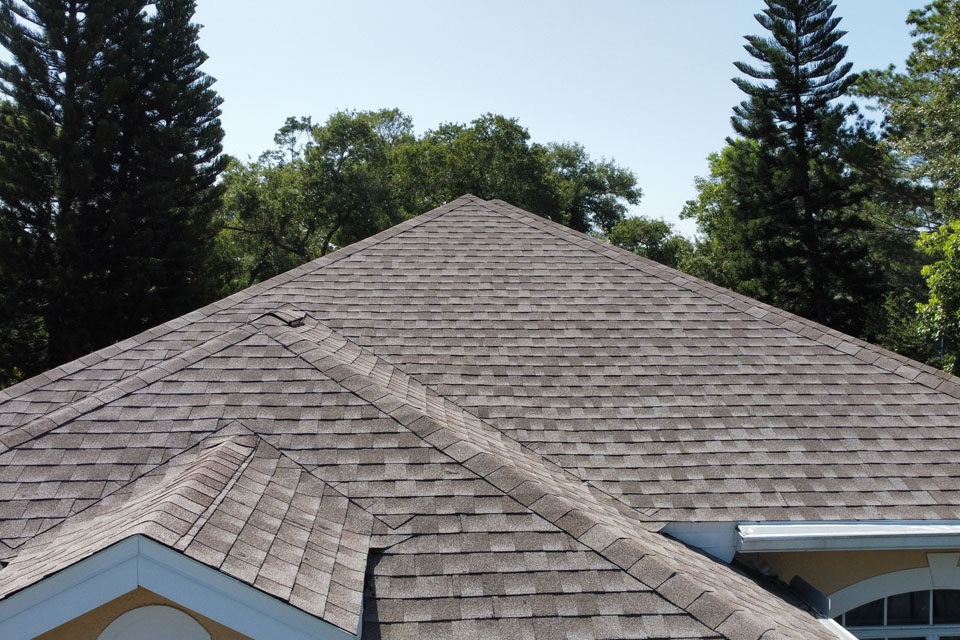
(644, 82)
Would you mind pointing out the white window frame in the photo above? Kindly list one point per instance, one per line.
(927, 630)
(941, 572)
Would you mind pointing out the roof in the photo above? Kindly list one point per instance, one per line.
(492, 417)
(234, 503)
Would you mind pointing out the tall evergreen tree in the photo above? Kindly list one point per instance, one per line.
(797, 224)
(111, 149)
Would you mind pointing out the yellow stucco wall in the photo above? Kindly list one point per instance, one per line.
(91, 624)
(832, 570)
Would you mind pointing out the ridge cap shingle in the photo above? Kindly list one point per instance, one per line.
(866, 352)
(151, 509)
(586, 513)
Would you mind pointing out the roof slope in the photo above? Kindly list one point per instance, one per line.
(236, 504)
(504, 402)
(685, 400)
(454, 499)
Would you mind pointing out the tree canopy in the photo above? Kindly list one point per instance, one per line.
(111, 150)
(922, 110)
(654, 239)
(118, 209)
(327, 185)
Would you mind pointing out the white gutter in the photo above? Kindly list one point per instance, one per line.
(847, 536)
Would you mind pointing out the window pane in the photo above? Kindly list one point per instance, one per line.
(909, 608)
(946, 606)
(866, 615)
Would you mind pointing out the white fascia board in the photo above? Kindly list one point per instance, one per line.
(139, 561)
(717, 539)
(70, 593)
(762, 537)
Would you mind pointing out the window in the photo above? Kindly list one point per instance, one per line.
(154, 622)
(930, 614)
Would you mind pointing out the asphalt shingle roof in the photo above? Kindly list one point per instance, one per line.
(490, 416)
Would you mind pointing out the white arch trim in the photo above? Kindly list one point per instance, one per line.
(138, 561)
(942, 572)
(154, 622)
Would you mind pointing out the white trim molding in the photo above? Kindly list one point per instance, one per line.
(717, 539)
(847, 536)
(942, 572)
(138, 561)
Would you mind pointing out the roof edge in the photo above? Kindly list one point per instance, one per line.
(847, 535)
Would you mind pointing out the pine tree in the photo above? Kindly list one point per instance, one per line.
(797, 223)
(111, 149)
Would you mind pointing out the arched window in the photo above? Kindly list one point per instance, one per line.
(154, 622)
(931, 614)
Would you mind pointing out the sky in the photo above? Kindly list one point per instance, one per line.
(645, 83)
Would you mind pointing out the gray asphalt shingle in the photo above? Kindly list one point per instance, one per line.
(483, 418)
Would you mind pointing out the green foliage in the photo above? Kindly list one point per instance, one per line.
(304, 199)
(493, 157)
(797, 237)
(719, 256)
(894, 207)
(592, 195)
(922, 105)
(654, 239)
(490, 158)
(328, 185)
(922, 108)
(111, 150)
(940, 315)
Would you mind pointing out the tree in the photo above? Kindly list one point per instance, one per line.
(654, 239)
(493, 157)
(490, 158)
(718, 254)
(304, 199)
(922, 105)
(940, 314)
(111, 144)
(896, 208)
(593, 195)
(797, 224)
(328, 185)
(922, 109)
